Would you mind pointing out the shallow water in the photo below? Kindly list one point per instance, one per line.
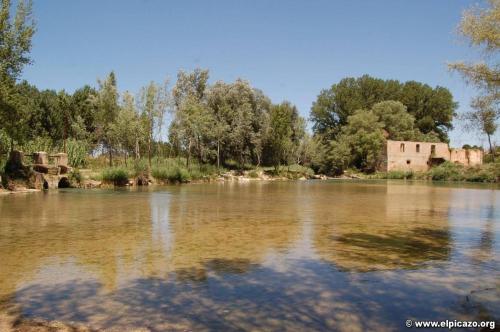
(309, 255)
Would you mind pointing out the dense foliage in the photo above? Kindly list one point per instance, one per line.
(359, 143)
(224, 123)
(432, 108)
(449, 171)
(227, 122)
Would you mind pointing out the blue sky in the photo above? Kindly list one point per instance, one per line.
(289, 49)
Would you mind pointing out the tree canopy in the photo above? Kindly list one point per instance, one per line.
(432, 108)
(360, 142)
(15, 44)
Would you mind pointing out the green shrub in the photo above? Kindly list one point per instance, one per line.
(420, 176)
(2, 164)
(75, 177)
(231, 164)
(172, 175)
(485, 173)
(253, 174)
(300, 170)
(294, 172)
(182, 175)
(234, 165)
(4, 148)
(98, 163)
(196, 174)
(488, 158)
(480, 176)
(141, 166)
(161, 173)
(447, 171)
(116, 175)
(401, 175)
(38, 144)
(208, 169)
(77, 152)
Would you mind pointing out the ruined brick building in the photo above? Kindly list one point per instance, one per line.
(420, 156)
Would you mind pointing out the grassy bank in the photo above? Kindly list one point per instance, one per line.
(171, 170)
(448, 171)
(95, 171)
(174, 170)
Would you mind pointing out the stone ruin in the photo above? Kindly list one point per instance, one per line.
(421, 156)
(42, 174)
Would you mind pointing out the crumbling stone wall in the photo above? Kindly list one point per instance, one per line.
(414, 156)
(40, 175)
(467, 157)
(419, 156)
(40, 158)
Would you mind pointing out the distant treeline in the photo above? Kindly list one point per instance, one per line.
(221, 122)
(212, 123)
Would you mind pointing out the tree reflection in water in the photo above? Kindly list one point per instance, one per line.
(275, 256)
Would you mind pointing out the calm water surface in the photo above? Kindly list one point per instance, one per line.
(346, 256)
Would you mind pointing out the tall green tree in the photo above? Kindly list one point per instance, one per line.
(396, 121)
(64, 102)
(84, 114)
(484, 118)
(364, 135)
(190, 124)
(433, 108)
(127, 130)
(15, 45)
(481, 27)
(106, 103)
(221, 111)
(285, 135)
(361, 141)
(219, 122)
(190, 86)
(153, 103)
(309, 152)
(242, 112)
(280, 133)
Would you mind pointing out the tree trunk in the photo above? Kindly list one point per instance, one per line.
(491, 148)
(218, 155)
(159, 153)
(188, 155)
(137, 152)
(110, 151)
(149, 151)
(11, 144)
(178, 154)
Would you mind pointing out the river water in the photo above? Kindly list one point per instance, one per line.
(306, 255)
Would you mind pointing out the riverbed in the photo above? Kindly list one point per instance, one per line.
(292, 255)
